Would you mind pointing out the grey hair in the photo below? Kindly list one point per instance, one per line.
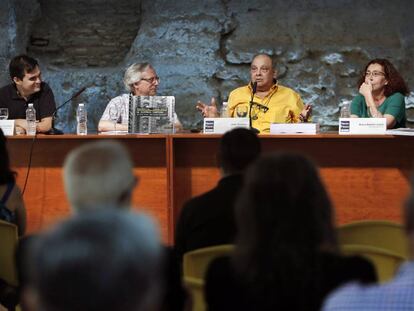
(133, 74)
(98, 174)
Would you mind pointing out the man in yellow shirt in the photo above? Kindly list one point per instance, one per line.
(270, 103)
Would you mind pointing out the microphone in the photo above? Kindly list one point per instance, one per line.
(53, 130)
(254, 89)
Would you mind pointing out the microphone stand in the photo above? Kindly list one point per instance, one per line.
(53, 130)
(254, 88)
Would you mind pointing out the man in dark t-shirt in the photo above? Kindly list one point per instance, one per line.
(208, 219)
(27, 87)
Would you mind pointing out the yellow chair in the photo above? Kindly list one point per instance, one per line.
(386, 262)
(195, 266)
(8, 244)
(378, 233)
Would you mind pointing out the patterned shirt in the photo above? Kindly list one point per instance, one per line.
(397, 295)
(121, 103)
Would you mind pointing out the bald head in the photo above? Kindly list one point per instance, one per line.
(262, 72)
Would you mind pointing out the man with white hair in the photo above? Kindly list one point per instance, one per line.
(99, 174)
(140, 79)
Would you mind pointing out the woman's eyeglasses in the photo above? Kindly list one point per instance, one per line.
(374, 74)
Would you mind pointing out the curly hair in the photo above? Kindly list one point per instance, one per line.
(395, 82)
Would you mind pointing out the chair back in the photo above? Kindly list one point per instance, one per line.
(8, 244)
(378, 233)
(386, 262)
(195, 267)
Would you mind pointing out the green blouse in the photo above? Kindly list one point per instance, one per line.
(393, 105)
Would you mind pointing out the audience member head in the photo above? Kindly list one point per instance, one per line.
(284, 218)
(393, 80)
(6, 174)
(98, 261)
(97, 175)
(141, 79)
(238, 148)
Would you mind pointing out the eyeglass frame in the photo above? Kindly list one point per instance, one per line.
(151, 80)
(374, 74)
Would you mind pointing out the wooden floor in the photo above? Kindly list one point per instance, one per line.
(367, 177)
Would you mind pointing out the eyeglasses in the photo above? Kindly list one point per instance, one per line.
(152, 80)
(374, 74)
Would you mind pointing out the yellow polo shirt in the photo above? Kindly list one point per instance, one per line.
(284, 106)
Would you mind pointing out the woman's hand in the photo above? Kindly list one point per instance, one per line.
(365, 89)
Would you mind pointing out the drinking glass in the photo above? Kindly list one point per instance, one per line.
(4, 113)
(241, 111)
(114, 116)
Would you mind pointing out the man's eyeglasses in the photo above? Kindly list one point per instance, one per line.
(374, 74)
(152, 80)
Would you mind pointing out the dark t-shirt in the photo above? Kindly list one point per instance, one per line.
(43, 102)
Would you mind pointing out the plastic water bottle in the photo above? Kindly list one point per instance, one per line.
(223, 111)
(31, 120)
(82, 118)
(345, 113)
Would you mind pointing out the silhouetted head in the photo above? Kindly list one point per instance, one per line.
(284, 216)
(238, 148)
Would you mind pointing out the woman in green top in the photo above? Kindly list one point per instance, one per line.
(382, 91)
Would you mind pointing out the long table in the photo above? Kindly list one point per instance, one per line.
(367, 177)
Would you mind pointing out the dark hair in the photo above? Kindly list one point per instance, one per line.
(284, 219)
(395, 82)
(238, 148)
(107, 260)
(6, 174)
(20, 65)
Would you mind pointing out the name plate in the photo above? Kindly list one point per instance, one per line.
(222, 125)
(7, 127)
(355, 126)
(294, 128)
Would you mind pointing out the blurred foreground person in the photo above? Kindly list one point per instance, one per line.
(397, 294)
(12, 207)
(109, 260)
(286, 253)
(208, 219)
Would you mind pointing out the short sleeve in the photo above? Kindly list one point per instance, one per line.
(356, 106)
(47, 102)
(121, 102)
(396, 107)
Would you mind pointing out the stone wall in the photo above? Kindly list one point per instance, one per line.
(203, 48)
